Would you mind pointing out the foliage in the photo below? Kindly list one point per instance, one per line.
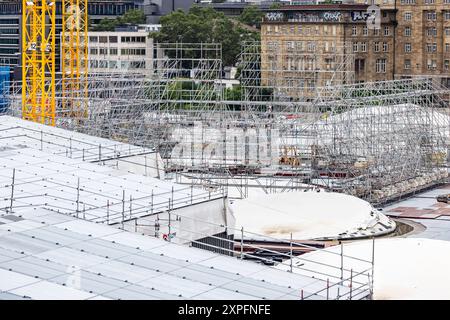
(205, 25)
(252, 16)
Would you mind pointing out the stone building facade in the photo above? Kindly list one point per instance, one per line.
(335, 37)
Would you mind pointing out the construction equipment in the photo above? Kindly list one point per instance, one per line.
(38, 58)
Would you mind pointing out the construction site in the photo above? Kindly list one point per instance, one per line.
(161, 154)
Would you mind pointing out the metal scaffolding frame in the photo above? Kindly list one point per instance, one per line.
(377, 140)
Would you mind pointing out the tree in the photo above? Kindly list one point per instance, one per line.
(251, 16)
(134, 16)
(205, 25)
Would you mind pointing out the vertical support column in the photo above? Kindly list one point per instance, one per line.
(342, 261)
(12, 190)
(290, 251)
(242, 243)
(373, 261)
(123, 207)
(78, 196)
(107, 212)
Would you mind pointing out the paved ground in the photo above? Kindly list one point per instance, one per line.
(424, 209)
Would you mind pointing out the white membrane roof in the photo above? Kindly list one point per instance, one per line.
(309, 215)
(405, 268)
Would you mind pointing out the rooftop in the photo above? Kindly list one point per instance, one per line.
(44, 255)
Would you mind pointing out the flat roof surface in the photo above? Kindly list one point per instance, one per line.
(52, 178)
(45, 255)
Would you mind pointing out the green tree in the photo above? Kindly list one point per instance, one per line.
(251, 16)
(205, 25)
(134, 16)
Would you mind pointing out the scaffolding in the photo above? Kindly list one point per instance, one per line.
(378, 141)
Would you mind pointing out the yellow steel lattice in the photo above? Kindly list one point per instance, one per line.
(74, 58)
(38, 61)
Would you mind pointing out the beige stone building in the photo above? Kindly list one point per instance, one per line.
(422, 37)
(309, 46)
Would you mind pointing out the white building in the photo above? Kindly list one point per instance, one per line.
(120, 51)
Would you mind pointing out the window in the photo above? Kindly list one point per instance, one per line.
(446, 65)
(431, 64)
(113, 39)
(355, 46)
(363, 46)
(407, 31)
(408, 16)
(432, 32)
(113, 64)
(93, 39)
(365, 31)
(385, 47)
(103, 39)
(380, 66)
(408, 47)
(407, 64)
(376, 47)
(387, 31)
(354, 30)
(431, 15)
(360, 65)
(431, 47)
(113, 51)
(93, 51)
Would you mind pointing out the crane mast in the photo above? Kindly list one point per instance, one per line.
(38, 60)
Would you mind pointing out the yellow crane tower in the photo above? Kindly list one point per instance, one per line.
(38, 59)
(74, 58)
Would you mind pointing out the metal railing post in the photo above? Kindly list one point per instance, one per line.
(328, 288)
(242, 243)
(151, 208)
(107, 211)
(342, 261)
(123, 207)
(12, 190)
(170, 222)
(290, 251)
(373, 261)
(351, 283)
(78, 196)
(131, 208)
